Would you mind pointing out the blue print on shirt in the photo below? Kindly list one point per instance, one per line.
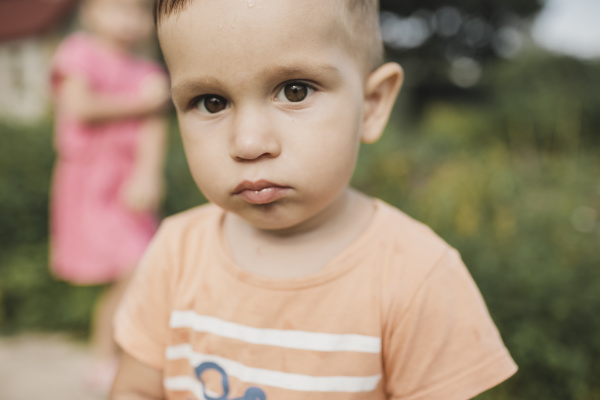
(252, 393)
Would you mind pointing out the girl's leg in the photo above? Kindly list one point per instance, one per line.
(103, 345)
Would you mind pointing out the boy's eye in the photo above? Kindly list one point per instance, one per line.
(294, 92)
(211, 104)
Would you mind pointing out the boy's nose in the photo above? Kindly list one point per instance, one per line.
(253, 137)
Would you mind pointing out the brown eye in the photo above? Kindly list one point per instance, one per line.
(212, 104)
(295, 92)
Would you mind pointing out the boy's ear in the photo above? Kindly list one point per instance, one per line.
(381, 90)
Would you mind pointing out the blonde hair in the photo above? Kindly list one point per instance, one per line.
(361, 25)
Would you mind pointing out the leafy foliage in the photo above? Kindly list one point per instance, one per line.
(435, 40)
(485, 8)
(459, 27)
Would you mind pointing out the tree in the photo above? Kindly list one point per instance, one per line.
(443, 44)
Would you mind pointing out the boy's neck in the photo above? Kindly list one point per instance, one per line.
(301, 250)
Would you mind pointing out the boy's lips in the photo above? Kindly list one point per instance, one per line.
(260, 192)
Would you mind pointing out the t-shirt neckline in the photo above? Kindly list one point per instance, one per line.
(346, 260)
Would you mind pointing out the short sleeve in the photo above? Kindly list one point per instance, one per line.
(141, 322)
(74, 56)
(443, 344)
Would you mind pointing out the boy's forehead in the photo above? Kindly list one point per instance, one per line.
(256, 17)
(252, 11)
(232, 27)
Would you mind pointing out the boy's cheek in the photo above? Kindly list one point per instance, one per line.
(201, 158)
(197, 138)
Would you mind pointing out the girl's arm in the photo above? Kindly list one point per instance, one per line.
(76, 98)
(144, 189)
(136, 381)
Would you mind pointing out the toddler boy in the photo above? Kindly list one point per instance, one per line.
(291, 285)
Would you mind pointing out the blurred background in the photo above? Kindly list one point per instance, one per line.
(494, 144)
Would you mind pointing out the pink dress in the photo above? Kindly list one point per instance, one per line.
(94, 238)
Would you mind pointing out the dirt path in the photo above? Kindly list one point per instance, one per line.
(49, 367)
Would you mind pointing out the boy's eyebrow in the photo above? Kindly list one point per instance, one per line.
(296, 70)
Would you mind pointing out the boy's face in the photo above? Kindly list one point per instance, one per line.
(270, 106)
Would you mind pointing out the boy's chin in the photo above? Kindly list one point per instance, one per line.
(273, 225)
(287, 218)
(270, 219)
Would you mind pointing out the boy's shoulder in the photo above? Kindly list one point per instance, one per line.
(411, 249)
(409, 236)
(186, 233)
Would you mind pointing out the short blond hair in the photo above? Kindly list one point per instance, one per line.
(361, 25)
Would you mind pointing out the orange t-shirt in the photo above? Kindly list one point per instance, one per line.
(396, 315)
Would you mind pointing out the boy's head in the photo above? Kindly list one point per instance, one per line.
(273, 100)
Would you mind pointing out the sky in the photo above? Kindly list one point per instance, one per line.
(570, 27)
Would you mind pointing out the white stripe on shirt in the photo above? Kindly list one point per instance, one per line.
(291, 339)
(259, 376)
(183, 383)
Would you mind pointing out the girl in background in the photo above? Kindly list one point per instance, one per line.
(110, 140)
